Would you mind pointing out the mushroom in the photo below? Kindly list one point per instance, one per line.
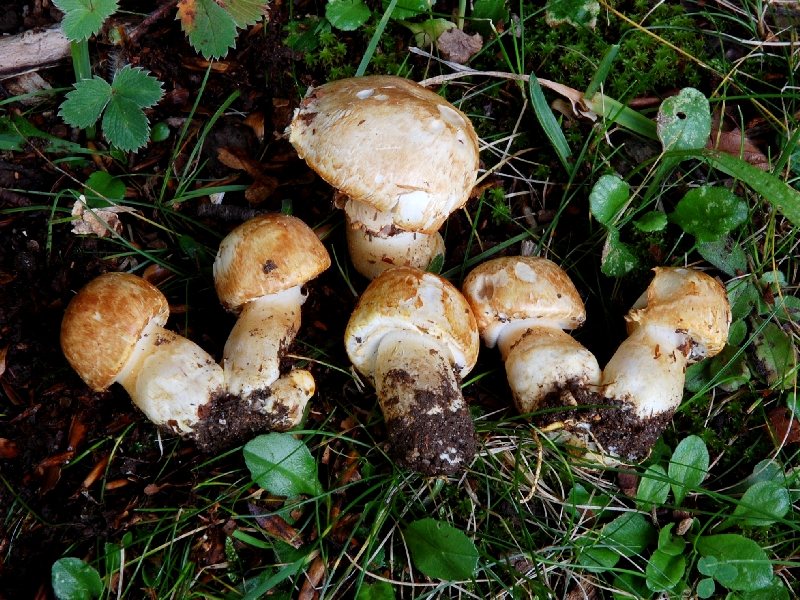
(259, 272)
(113, 332)
(402, 157)
(413, 336)
(523, 304)
(683, 317)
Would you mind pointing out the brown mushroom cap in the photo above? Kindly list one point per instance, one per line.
(103, 323)
(514, 288)
(407, 299)
(266, 255)
(689, 302)
(390, 143)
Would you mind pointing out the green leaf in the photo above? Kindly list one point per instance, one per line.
(578, 13)
(303, 34)
(607, 198)
(629, 534)
(244, 12)
(594, 557)
(408, 9)
(653, 488)
(652, 221)
(709, 212)
(84, 105)
(776, 356)
(741, 564)
(494, 11)
(547, 120)
(684, 121)
(125, 124)
(743, 296)
(427, 32)
(728, 369)
(618, 259)
(664, 571)
(138, 86)
(580, 499)
(705, 588)
(282, 465)
(347, 15)
(668, 543)
(441, 551)
(73, 579)
(724, 254)
(84, 18)
(688, 466)
(101, 187)
(210, 29)
(376, 591)
(763, 504)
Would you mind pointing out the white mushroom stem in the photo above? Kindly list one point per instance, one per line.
(265, 328)
(375, 243)
(647, 371)
(542, 360)
(288, 397)
(421, 400)
(170, 378)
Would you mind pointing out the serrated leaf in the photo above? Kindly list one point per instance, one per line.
(653, 487)
(73, 579)
(777, 357)
(137, 85)
(578, 13)
(347, 15)
(84, 18)
(440, 550)
(282, 465)
(741, 564)
(684, 121)
(125, 124)
(617, 258)
(608, 197)
(407, 9)
(244, 12)
(210, 29)
(83, 106)
(652, 221)
(688, 466)
(710, 212)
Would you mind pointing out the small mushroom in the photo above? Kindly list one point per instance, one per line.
(682, 317)
(523, 305)
(113, 332)
(403, 157)
(413, 336)
(259, 272)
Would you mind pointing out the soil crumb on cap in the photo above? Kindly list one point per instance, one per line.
(441, 443)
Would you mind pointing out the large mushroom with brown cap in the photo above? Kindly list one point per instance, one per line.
(523, 304)
(683, 317)
(413, 336)
(259, 273)
(113, 332)
(402, 157)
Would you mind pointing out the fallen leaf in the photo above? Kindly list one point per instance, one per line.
(785, 425)
(736, 143)
(101, 222)
(8, 448)
(263, 186)
(457, 46)
(277, 527)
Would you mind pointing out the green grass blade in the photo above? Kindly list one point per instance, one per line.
(602, 71)
(615, 111)
(548, 122)
(376, 38)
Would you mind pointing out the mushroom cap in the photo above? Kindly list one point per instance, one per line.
(390, 143)
(514, 288)
(686, 301)
(103, 323)
(265, 255)
(407, 299)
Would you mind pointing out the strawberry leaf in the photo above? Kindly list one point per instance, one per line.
(84, 105)
(244, 12)
(135, 84)
(211, 30)
(84, 18)
(125, 124)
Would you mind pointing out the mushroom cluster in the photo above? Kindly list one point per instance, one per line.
(402, 158)
(523, 305)
(113, 332)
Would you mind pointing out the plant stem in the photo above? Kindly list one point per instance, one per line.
(82, 65)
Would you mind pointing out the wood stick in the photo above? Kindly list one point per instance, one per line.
(32, 50)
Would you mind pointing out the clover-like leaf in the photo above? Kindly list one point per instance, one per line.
(84, 18)
(684, 121)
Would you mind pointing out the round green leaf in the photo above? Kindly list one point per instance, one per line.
(617, 259)
(347, 15)
(762, 504)
(746, 566)
(653, 221)
(629, 534)
(705, 588)
(684, 121)
(101, 187)
(608, 197)
(440, 550)
(709, 212)
(282, 465)
(688, 466)
(73, 579)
